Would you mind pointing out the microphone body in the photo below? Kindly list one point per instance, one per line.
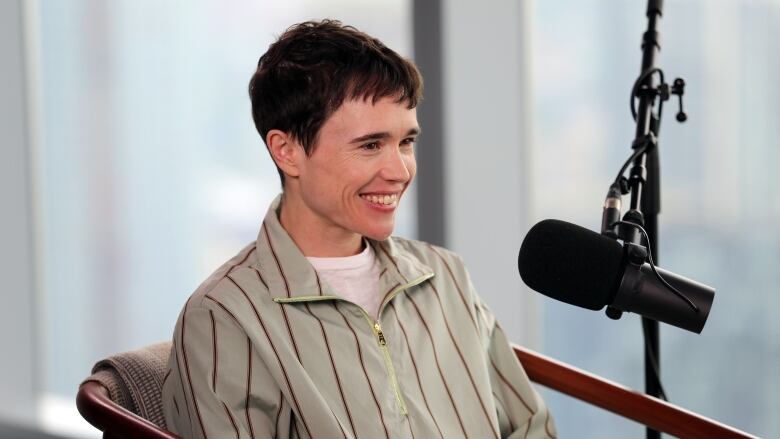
(583, 268)
(641, 292)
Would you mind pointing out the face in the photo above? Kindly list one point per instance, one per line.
(360, 167)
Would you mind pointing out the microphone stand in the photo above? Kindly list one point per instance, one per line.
(644, 180)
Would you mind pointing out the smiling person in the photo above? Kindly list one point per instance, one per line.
(326, 326)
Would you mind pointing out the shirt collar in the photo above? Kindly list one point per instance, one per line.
(288, 274)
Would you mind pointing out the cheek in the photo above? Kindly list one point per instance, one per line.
(411, 166)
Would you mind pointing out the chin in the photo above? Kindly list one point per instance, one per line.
(378, 235)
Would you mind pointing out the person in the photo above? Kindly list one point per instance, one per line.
(326, 326)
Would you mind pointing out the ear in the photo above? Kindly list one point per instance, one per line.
(286, 152)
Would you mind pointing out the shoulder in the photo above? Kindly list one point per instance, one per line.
(228, 288)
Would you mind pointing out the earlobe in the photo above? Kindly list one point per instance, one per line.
(285, 152)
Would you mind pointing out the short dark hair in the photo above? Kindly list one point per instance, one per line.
(315, 66)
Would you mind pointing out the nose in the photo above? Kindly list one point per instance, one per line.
(396, 166)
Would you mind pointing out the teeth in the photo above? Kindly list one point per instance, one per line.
(387, 200)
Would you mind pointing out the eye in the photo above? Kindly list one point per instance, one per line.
(409, 141)
(372, 146)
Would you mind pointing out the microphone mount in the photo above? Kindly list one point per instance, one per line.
(643, 183)
(663, 91)
(678, 88)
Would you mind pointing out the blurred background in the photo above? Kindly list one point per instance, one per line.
(129, 155)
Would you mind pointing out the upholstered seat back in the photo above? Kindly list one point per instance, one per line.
(134, 380)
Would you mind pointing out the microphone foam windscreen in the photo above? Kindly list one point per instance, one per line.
(571, 263)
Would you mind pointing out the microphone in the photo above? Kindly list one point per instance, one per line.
(583, 268)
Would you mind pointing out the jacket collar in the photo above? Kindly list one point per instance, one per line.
(289, 275)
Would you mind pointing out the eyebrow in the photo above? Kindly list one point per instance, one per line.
(383, 135)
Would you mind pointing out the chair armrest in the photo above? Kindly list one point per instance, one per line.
(114, 420)
(647, 410)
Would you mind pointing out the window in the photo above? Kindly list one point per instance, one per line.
(152, 172)
(720, 201)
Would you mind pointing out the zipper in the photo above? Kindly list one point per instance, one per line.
(380, 337)
(382, 341)
(376, 327)
(379, 334)
(400, 288)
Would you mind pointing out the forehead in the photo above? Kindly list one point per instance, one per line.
(363, 116)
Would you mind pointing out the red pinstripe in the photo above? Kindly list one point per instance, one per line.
(187, 368)
(335, 372)
(248, 385)
(260, 278)
(222, 306)
(278, 265)
(457, 285)
(278, 414)
(181, 382)
(287, 288)
(252, 250)
(509, 385)
(547, 425)
(438, 366)
(381, 247)
(463, 361)
(511, 424)
(416, 371)
(214, 346)
(232, 421)
(362, 363)
(276, 353)
(388, 293)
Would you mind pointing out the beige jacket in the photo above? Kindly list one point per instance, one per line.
(264, 349)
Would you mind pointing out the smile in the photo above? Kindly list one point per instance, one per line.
(386, 199)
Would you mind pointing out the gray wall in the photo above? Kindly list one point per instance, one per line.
(487, 141)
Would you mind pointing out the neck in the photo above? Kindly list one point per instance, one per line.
(313, 236)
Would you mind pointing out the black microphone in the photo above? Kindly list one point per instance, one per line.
(583, 268)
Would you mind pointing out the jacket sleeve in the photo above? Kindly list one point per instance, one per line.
(521, 411)
(224, 390)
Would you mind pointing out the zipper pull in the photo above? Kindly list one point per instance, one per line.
(380, 335)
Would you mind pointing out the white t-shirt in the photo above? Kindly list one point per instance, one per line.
(355, 278)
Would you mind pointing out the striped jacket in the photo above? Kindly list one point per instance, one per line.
(264, 349)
